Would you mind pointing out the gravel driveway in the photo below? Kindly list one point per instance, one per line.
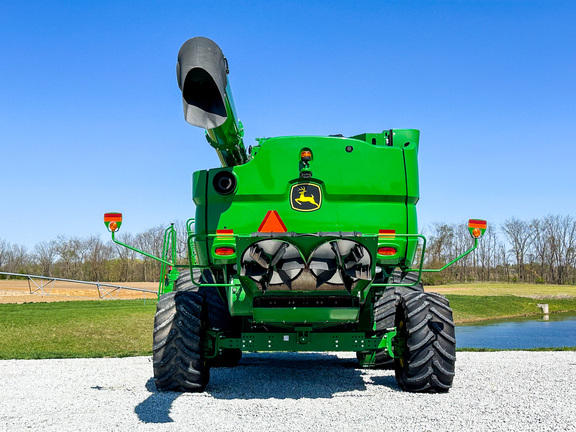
(507, 391)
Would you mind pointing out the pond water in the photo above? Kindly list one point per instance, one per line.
(558, 330)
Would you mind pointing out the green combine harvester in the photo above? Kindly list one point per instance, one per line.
(300, 243)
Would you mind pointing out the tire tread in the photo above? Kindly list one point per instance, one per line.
(429, 358)
(177, 343)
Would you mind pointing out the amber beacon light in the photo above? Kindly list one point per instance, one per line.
(477, 227)
(113, 221)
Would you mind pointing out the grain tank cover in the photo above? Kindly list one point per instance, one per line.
(201, 73)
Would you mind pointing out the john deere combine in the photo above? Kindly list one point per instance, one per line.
(300, 243)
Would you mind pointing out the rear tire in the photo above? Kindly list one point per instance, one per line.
(178, 356)
(426, 341)
(385, 311)
(219, 317)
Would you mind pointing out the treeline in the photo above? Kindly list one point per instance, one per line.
(92, 259)
(537, 251)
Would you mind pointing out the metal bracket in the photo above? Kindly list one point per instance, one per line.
(49, 284)
(303, 334)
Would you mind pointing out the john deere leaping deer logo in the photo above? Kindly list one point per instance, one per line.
(305, 197)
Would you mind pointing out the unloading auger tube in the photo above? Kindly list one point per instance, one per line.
(202, 73)
(304, 243)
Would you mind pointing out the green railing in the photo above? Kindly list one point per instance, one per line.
(421, 270)
(169, 267)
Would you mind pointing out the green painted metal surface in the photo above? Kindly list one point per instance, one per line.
(297, 315)
(303, 341)
(301, 233)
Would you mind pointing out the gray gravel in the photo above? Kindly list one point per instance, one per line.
(507, 391)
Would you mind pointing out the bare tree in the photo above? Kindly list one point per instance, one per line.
(560, 236)
(441, 243)
(502, 265)
(151, 241)
(182, 241)
(462, 269)
(519, 235)
(439, 250)
(17, 259)
(69, 263)
(4, 248)
(127, 257)
(45, 254)
(488, 253)
(96, 255)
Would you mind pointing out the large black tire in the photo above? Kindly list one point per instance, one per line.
(385, 312)
(178, 358)
(427, 342)
(218, 315)
(217, 310)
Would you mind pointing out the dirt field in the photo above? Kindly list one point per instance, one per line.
(18, 291)
(538, 291)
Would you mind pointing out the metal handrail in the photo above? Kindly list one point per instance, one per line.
(420, 269)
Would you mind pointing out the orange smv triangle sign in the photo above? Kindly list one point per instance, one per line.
(272, 223)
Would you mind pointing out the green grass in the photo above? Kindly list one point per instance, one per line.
(468, 308)
(118, 328)
(123, 328)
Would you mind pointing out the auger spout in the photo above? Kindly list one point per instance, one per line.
(202, 73)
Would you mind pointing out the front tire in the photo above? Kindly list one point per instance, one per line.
(178, 357)
(425, 342)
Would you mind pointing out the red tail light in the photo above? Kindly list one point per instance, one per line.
(387, 251)
(225, 251)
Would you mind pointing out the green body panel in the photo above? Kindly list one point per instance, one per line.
(371, 181)
(297, 315)
(368, 183)
(239, 299)
(306, 341)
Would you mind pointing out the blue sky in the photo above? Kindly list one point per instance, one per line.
(91, 115)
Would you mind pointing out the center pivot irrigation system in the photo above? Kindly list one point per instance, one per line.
(290, 251)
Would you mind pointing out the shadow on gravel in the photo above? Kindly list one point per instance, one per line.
(387, 381)
(270, 376)
(286, 376)
(156, 407)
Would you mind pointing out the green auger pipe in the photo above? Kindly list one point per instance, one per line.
(202, 73)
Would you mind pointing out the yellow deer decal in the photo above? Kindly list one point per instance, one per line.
(305, 199)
